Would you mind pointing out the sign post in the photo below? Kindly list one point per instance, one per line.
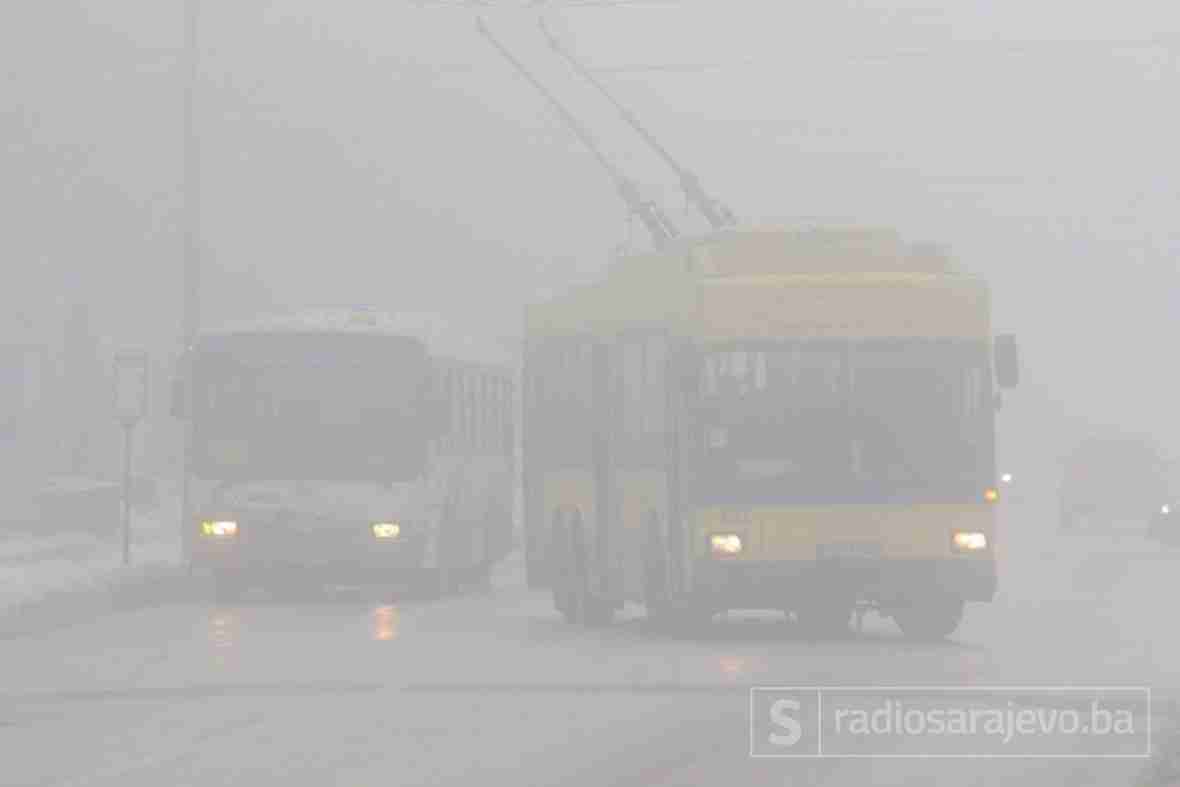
(131, 406)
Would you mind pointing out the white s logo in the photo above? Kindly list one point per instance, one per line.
(780, 717)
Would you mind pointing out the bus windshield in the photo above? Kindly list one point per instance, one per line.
(847, 421)
(324, 407)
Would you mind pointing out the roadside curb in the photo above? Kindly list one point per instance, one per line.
(126, 588)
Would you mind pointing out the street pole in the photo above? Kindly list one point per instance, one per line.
(128, 446)
(192, 179)
(132, 369)
(191, 296)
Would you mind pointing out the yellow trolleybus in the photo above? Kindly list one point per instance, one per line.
(791, 420)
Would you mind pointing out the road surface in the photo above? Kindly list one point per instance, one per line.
(491, 688)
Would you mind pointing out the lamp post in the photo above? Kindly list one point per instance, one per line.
(131, 407)
(191, 295)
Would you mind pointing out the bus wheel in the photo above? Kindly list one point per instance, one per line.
(437, 583)
(679, 618)
(929, 620)
(824, 618)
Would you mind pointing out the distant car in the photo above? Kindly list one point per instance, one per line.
(1165, 521)
(1113, 480)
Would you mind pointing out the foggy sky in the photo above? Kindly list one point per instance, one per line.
(383, 154)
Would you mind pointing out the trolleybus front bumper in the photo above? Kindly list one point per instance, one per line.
(758, 584)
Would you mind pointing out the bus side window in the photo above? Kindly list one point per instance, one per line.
(493, 415)
(448, 390)
(484, 390)
(457, 425)
(481, 410)
(472, 410)
(464, 410)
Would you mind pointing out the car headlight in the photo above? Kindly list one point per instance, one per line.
(219, 528)
(1165, 509)
(968, 541)
(725, 544)
(387, 530)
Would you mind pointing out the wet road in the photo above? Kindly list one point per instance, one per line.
(492, 688)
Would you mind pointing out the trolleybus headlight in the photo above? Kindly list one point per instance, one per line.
(387, 530)
(968, 541)
(724, 544)
(219, 529)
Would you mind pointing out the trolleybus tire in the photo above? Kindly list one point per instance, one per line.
(930, 620)
(824, 619)
(826, 616)
(679, 619)
(436, 583)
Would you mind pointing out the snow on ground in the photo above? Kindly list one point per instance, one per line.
(34, 568)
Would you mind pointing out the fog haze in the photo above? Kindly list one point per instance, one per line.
(382, 154)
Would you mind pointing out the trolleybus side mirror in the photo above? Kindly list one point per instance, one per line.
(178, 405)
(1007, 360)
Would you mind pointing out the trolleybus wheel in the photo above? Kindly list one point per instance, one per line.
(930, 620)
(437, 583)
(824, 618)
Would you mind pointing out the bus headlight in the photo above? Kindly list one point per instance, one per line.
(219, 529)
(968, 541)
(725, 544)
(387, 530)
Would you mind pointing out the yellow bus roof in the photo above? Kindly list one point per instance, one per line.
(777, 284)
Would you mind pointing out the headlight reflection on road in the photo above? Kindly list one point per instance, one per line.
(385, 621)
(732, 667)
(223, 633)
